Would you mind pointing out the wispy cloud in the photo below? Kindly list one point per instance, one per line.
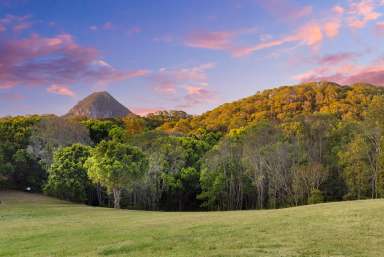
(347, 73)
(105, 26)
(380, 27)
(361, 12)
(219, 40)
(197, 95)
(337, 58)
(167, 81)
(142, 111)
(186, 86)
(311, 34)
(15, 23)
(216, 40)
(61, 90)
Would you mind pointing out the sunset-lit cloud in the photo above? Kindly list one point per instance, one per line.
(191, 56)
(380, 27)
(337, 58)
(361, 12)
(61, 90)
(197, 95)
(211, 40)
(310, 34)
(347, 74)
(143, 111)
(167, 81)
(15, 23)
(188, 85)
(39, 61)
(356, 14)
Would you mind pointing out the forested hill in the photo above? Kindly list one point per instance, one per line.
(284, 103)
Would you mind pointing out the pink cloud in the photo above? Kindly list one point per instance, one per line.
(380, 27)
(143, 111)
(166, 87)
(333, 59)
(347, 74)
(332, 28)
(309, 34)
(176, 84)
(15, 23)
(167, 81)
(40, 61)
(22, 26)
(61, 90)
(217, 40)
(210, 40)
(197, 95)
(338, 9)
(361, 12)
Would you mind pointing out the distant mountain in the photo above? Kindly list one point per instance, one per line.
(99, 105)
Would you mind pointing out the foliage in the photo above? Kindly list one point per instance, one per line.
(54, 132)
(116, 166)
(315, 197)
(68, 178)
(282, 147)
(285, 103)
(99, 129)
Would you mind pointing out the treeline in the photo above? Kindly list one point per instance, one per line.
(321, 150)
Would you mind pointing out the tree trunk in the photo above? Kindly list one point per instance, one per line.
(99, 196)
(116, 197)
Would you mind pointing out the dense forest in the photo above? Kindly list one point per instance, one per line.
(288, 146)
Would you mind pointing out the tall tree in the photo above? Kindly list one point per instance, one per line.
(116, 166)
(67, 176)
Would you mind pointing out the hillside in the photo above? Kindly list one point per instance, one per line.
(99, 105)
(286, 102)
(32, 225)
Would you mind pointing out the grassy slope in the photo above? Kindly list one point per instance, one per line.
(33, 225)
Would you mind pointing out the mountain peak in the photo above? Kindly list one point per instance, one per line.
(99, 105)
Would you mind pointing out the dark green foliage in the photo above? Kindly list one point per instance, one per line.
(19, 169)
(99, 129)
(68, 178)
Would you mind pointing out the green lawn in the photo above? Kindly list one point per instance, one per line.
(33, 225)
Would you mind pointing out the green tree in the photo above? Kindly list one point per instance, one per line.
(116, 166)
(67, 176)
(99, 129)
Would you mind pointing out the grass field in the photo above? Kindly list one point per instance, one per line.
(34, 225)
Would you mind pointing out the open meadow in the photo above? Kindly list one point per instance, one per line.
(35, 225)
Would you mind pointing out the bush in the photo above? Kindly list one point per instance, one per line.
(315, 197)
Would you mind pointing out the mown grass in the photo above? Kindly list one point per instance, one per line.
(33, 225)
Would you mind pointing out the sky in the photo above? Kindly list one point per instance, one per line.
(176, 54)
